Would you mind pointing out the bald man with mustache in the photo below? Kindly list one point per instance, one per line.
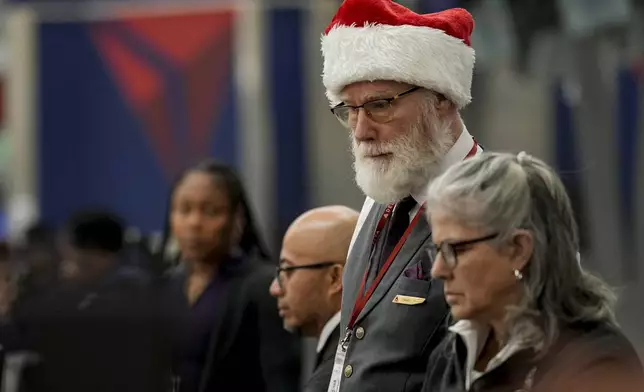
(308, 283)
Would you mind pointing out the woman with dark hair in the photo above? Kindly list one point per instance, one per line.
(231, 336)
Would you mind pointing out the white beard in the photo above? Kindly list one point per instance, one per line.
(415, 161)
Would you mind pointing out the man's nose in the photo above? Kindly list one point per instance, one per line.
(363, 130)
(275, 289)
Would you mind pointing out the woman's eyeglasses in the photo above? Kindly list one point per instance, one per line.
(449, 249)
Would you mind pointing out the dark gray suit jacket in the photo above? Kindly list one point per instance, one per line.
(319, 380)
(394, 348)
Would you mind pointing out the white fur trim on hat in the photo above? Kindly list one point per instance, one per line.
(420, 56)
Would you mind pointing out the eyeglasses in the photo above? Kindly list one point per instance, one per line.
(287, 270)
(379, 110)
(450, 250)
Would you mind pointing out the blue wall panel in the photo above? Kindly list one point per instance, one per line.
(286, 68)
(99, 143)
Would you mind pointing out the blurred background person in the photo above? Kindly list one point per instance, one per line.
(7, 293)
(9, 339)
(100, 328)
(7, 283)
(308, 282)
(527, 315)
(91, 247)
(39, 261)
(13, 357)
(231, 336)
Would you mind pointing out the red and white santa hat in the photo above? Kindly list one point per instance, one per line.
(370, 40)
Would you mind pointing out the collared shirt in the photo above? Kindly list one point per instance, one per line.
(474, 337)
(327, 331)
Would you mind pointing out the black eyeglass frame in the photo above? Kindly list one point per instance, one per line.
(365, 106)
(279, 269)
(450, 249)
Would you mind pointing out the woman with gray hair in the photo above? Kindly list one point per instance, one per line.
(527, 316)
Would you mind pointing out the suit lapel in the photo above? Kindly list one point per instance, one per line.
(328, 350)
(358, 262)
(419, 235)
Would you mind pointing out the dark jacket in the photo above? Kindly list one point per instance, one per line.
(249, 350)
(319, 380)
(104, 336)
(586, 358)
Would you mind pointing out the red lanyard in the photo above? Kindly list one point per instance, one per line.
(363, 297)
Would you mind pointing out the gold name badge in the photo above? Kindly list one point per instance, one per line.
(407, 300)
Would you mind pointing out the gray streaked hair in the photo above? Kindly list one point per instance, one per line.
(504, 192)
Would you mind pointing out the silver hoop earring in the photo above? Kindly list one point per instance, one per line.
(518, 275)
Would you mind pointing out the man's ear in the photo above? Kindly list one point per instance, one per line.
(335, 276)
(521, 249)
(446, 108)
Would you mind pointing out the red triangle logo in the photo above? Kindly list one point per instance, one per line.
(199, 46)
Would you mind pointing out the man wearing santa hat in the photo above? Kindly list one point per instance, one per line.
(397, 80)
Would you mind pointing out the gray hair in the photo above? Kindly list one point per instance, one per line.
(504, 192)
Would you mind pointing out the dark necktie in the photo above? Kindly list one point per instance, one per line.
(399, 222)
(392, 233)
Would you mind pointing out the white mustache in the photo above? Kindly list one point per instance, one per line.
(370, 150)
